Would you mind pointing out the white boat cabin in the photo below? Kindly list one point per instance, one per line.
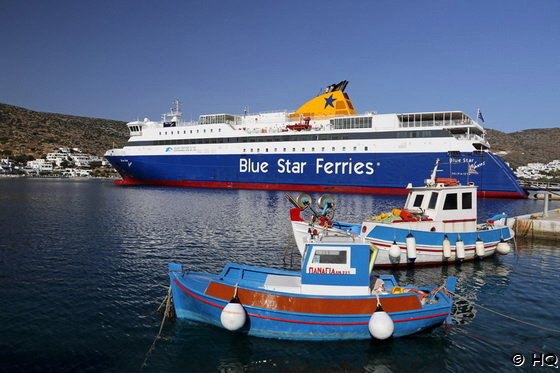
(443, 208)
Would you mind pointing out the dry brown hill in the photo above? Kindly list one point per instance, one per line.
(522, 147)
(27, 132)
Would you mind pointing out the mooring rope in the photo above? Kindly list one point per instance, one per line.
(507, 316)
(168, 313)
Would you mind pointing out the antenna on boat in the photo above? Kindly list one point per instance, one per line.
(432, 180)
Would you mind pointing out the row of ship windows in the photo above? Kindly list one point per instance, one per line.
(285, 150)
(293, 137)
(190, 131)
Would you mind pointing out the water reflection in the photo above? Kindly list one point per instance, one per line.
(83, 266)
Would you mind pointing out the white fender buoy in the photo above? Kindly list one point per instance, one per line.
(446, 247)
(503, 247)
(380, 324)
(460, 249)
(395, 252)
(479, 247)
(233, 315)
(411, 247)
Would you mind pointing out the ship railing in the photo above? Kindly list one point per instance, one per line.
(470, 137)
(438, 123)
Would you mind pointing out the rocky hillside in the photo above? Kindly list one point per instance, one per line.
(522, 147)
(30, 133)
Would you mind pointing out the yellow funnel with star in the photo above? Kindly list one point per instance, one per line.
(333, 102)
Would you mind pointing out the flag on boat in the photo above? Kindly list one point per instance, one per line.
(479, 115)
(471, 170)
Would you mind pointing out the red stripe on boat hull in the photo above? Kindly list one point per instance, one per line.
(293, 187)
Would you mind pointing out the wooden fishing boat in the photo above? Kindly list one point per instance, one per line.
(334, 296)
(438, 224)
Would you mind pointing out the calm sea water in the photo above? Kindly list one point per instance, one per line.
(83, 270)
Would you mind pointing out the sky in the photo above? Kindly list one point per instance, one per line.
(129, 59)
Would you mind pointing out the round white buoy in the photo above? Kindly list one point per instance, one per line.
(479, 247)
(503, 247)
(446, 247)
(411, 247)
(380, 324)
(460, 249)
(394, 252)
(233, 315)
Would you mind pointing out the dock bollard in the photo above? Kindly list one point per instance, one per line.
(545, 212)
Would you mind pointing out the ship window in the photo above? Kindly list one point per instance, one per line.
(191, 131)
(467, 200)
(160, 133)
(275, 150)
(266, 150)
(344, 148)
(450, 202)
(418, 200)
(251, 150)
(196, 131)
(312, 149)
(284, 150)
(302, 149)
(184, 132)
(322, 148)
(433, 200)
(293, 149)
(355, 148)
(333, 148)
(365, 148)
(204, 131)
(330, 257)
(166, 132)
(219, 130)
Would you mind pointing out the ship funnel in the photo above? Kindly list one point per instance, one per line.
(328, 104)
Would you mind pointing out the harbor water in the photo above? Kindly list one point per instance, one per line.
(83, 270)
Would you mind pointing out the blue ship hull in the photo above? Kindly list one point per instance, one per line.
(385, 173)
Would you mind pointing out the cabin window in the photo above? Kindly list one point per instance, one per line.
(366, 148)
(418, 200)
(467, 200)
(322, 148)
(433, 200)
(450, 202)
(330, 257)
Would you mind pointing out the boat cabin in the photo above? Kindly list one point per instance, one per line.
(452, 207)
(327, 269)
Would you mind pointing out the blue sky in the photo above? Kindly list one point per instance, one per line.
(128, 59)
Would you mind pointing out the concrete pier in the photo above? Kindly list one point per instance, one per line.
(544, 224)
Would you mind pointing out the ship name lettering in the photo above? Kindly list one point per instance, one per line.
(290, 167)
(248, 165)
(344, 167)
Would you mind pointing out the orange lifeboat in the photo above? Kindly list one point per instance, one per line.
(447, 181)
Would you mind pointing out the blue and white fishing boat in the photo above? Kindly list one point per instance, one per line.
(333, 297)
(438, 224)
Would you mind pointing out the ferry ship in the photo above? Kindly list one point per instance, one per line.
(324, 146)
